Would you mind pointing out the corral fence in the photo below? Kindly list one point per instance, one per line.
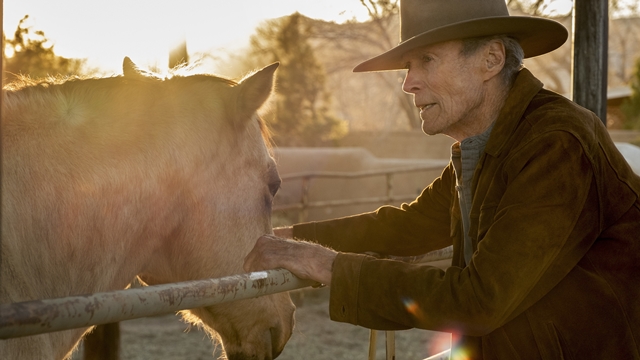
(48, 315)
(304, 204)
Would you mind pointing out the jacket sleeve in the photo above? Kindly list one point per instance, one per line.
(534, 234)
(411, 229)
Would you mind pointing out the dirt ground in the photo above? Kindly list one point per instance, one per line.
(315, 337)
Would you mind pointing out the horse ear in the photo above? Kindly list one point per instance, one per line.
(131, 70)
(255, 90)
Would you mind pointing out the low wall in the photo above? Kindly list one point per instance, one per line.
(401, 144)
(352, 159)
(347, 160)
(417, 145)
(632, 154)
(625, 136)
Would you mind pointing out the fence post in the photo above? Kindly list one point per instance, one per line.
(103, 343)
(590, 49)
(302, 216)
(389, 178)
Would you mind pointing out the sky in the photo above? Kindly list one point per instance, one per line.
(105, 31)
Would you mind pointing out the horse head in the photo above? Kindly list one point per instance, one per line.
(223, 204)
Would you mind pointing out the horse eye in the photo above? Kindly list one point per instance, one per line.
(273, 179)
(274, 186)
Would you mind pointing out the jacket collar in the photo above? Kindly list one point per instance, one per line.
(524, 89)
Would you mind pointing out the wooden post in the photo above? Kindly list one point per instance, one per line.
(304, 212)
(590, 51)
(103, 343)
(373, 339)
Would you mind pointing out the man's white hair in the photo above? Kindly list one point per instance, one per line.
(514, 55)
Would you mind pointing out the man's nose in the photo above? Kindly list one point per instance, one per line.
(411, 84)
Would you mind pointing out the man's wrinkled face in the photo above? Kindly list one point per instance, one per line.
(447, 86)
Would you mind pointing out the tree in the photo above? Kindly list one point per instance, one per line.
(534, 7)
(301, 116)
(29, 53)
(383, 13)
(377, 35)
(544, 7)
(631, 106)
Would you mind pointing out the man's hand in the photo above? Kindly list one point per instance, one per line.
(304, 259)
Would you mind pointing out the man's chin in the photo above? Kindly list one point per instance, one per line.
(430, 131)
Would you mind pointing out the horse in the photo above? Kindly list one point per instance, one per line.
(167, 178)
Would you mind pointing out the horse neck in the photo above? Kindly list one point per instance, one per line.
(86, 194)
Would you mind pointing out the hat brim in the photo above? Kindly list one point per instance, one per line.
(537, 36)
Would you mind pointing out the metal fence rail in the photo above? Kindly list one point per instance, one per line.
(49, 315)
(304, 204)
(42, 316)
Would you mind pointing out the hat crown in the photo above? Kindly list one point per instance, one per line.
(426, 22)
(419, 16)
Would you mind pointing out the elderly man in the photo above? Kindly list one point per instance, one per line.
(542, 210)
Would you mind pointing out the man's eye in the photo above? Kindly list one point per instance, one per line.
(426, 58)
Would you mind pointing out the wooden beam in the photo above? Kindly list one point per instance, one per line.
(590, 51)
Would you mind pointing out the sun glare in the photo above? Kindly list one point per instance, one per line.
(560, 7)
(104, 32)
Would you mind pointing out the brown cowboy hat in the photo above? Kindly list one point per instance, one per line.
(425, 22)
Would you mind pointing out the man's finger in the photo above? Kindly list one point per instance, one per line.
(284, 232)
(254, 261)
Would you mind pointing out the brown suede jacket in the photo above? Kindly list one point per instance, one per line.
(555, 226)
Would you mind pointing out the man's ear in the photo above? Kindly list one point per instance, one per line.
(494, 57)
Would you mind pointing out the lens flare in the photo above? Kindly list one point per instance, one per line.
(411, 305)
(459, 354)
(413, 308)
(439, 342)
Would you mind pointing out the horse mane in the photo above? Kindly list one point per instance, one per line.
(66, 84)
(25, 81)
